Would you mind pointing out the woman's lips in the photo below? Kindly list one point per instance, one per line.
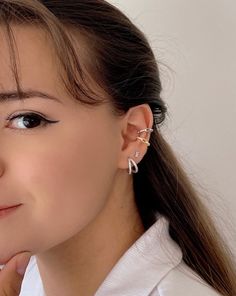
(5, 210)
(7, 207)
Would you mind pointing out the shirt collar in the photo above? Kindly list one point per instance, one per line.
(144, 264)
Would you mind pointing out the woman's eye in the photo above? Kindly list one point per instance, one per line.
(29, 121)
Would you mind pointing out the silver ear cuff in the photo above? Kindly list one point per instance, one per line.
(133, 168)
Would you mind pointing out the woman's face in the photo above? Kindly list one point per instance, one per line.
(61, 172)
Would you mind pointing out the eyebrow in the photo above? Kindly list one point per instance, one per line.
(12, 96)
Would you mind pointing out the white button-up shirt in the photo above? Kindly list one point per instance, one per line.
(152, 266)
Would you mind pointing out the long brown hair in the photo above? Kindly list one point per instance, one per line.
(124, 65)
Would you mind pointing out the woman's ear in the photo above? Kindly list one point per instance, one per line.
(136, 119)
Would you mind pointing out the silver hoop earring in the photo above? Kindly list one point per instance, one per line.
(133, 168)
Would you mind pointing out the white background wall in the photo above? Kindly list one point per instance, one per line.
(197, 40)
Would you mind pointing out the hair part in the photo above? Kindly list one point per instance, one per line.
(124, 66)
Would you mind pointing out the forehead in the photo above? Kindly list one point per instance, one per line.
(38, 64)
(35, 57)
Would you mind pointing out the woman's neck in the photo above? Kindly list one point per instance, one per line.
(79, 265)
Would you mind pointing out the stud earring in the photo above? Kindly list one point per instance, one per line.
(136, 154)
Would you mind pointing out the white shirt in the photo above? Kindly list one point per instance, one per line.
(152, 266)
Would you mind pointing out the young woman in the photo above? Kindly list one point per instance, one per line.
(100, 200)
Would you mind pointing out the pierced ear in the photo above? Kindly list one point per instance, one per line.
(136, 118)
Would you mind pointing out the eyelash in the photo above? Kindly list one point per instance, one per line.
(45, 121)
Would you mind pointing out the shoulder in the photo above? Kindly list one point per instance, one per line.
(182, 280)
